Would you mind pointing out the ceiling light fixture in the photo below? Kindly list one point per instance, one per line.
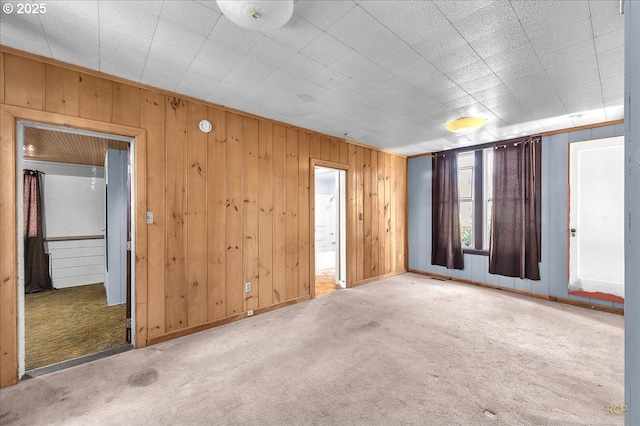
(466, 124)
(257, 15)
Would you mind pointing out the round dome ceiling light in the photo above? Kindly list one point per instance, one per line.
(257, 15)
(466, 124)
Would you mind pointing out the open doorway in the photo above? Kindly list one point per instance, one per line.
(330, 229)
(596, 219)
(74, 246)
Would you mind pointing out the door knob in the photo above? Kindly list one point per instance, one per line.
(573, 232)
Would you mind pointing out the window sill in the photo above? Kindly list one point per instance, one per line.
(475, 251)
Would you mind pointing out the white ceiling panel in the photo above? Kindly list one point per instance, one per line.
(387, 73)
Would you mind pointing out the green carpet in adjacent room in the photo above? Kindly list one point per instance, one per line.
(69, 323)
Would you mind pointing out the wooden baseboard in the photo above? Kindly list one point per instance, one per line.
(376, 278)
(210, 324)
(566, 301)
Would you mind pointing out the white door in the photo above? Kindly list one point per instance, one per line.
(596, 228)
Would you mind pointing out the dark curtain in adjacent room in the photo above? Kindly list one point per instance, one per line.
(514, 249)
(446, 245)
(36, 265)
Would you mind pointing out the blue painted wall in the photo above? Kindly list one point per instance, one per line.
(555, 181)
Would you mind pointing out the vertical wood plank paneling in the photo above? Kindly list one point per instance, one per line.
(217, 214)
(196, 218)
(291, 251)
(366, 208)
(401, 216)
(2, 79)
(8, 248)
(126, 105)
(153, 119)
(265, 226)
(392, 214)
(360, 210)
(176, 302)
(141, 245)
(303, 214)
(280, 212)
(235, 286)
(97, 98)
(375, 243)
(344, 152)
(314, 146)
(335, 150)
(62, 91)
(250, 212)
(387, 213)
(381, 213)
(24, 83)
(352, 219)
(325, 148)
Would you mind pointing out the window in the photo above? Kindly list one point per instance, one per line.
(475, 182)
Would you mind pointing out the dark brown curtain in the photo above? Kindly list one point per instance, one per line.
(514, 250)
(446, 246)
(36, 265)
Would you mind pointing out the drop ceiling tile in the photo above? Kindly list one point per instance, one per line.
(271, 52)
(325, 49)
(301, 66)
(60, 17)
(607, 22)
(461, 102)
(437, 44)
(482, 83)
(424, 71)
(352, 64)
(22, 27)
(470, 72)
(456, 10)
(175, 45)
(248, 73)
(72, 57)
(409, 20)
(610, 40)
(322, 14)
(611, 56)
(393, 86)
(571, 59)
(512, 56)
(587, 76)
(490, 93)
(214, 61)
(379, 47)
(210, 4)
(448, 95)
(8, 39)
(195, 17)
(63, 41)
(456, 59)
(373, 76)
(157, 73)
(519, 71)
(507, 100)
(499, 41)
(328, 78)
(122, 58)
(355, 27)
(117, 20)
(296, 34)
(540, 17)
(196, 86)
(350, 88)
(370, 96)
(234, 37)
(604, 6)
(127, 73)
(437, 83)
(563, 38)
(399, 62)
(495, 16)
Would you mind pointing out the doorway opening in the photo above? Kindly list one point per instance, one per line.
(75, 243)
(330, 229)
(596, 219)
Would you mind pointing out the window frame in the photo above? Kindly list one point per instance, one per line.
(478, 201)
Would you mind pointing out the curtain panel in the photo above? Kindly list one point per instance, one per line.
(446, 245)
(36, 264)
(514, 248)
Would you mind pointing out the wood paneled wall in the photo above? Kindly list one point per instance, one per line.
(230, 207)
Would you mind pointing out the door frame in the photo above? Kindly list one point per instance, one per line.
(11, 361)
(312, 219)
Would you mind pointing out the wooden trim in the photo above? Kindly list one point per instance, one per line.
(585, 127)
(232, 318)
(313, 162)
(116, 79)
(79, 238)
(9, 115)
(377, 278)
(426, 154)
(522, 292)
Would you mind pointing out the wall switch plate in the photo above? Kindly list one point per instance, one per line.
(250, 312)
(149, 218)
(247, 287)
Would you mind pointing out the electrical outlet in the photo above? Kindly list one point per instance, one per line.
(149, 218)
(250, 313)
(247, 287)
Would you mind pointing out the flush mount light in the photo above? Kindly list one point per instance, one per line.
(466, 124)
(257, 15)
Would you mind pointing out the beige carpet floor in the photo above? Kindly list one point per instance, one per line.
(69, 323)
(405, 350)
